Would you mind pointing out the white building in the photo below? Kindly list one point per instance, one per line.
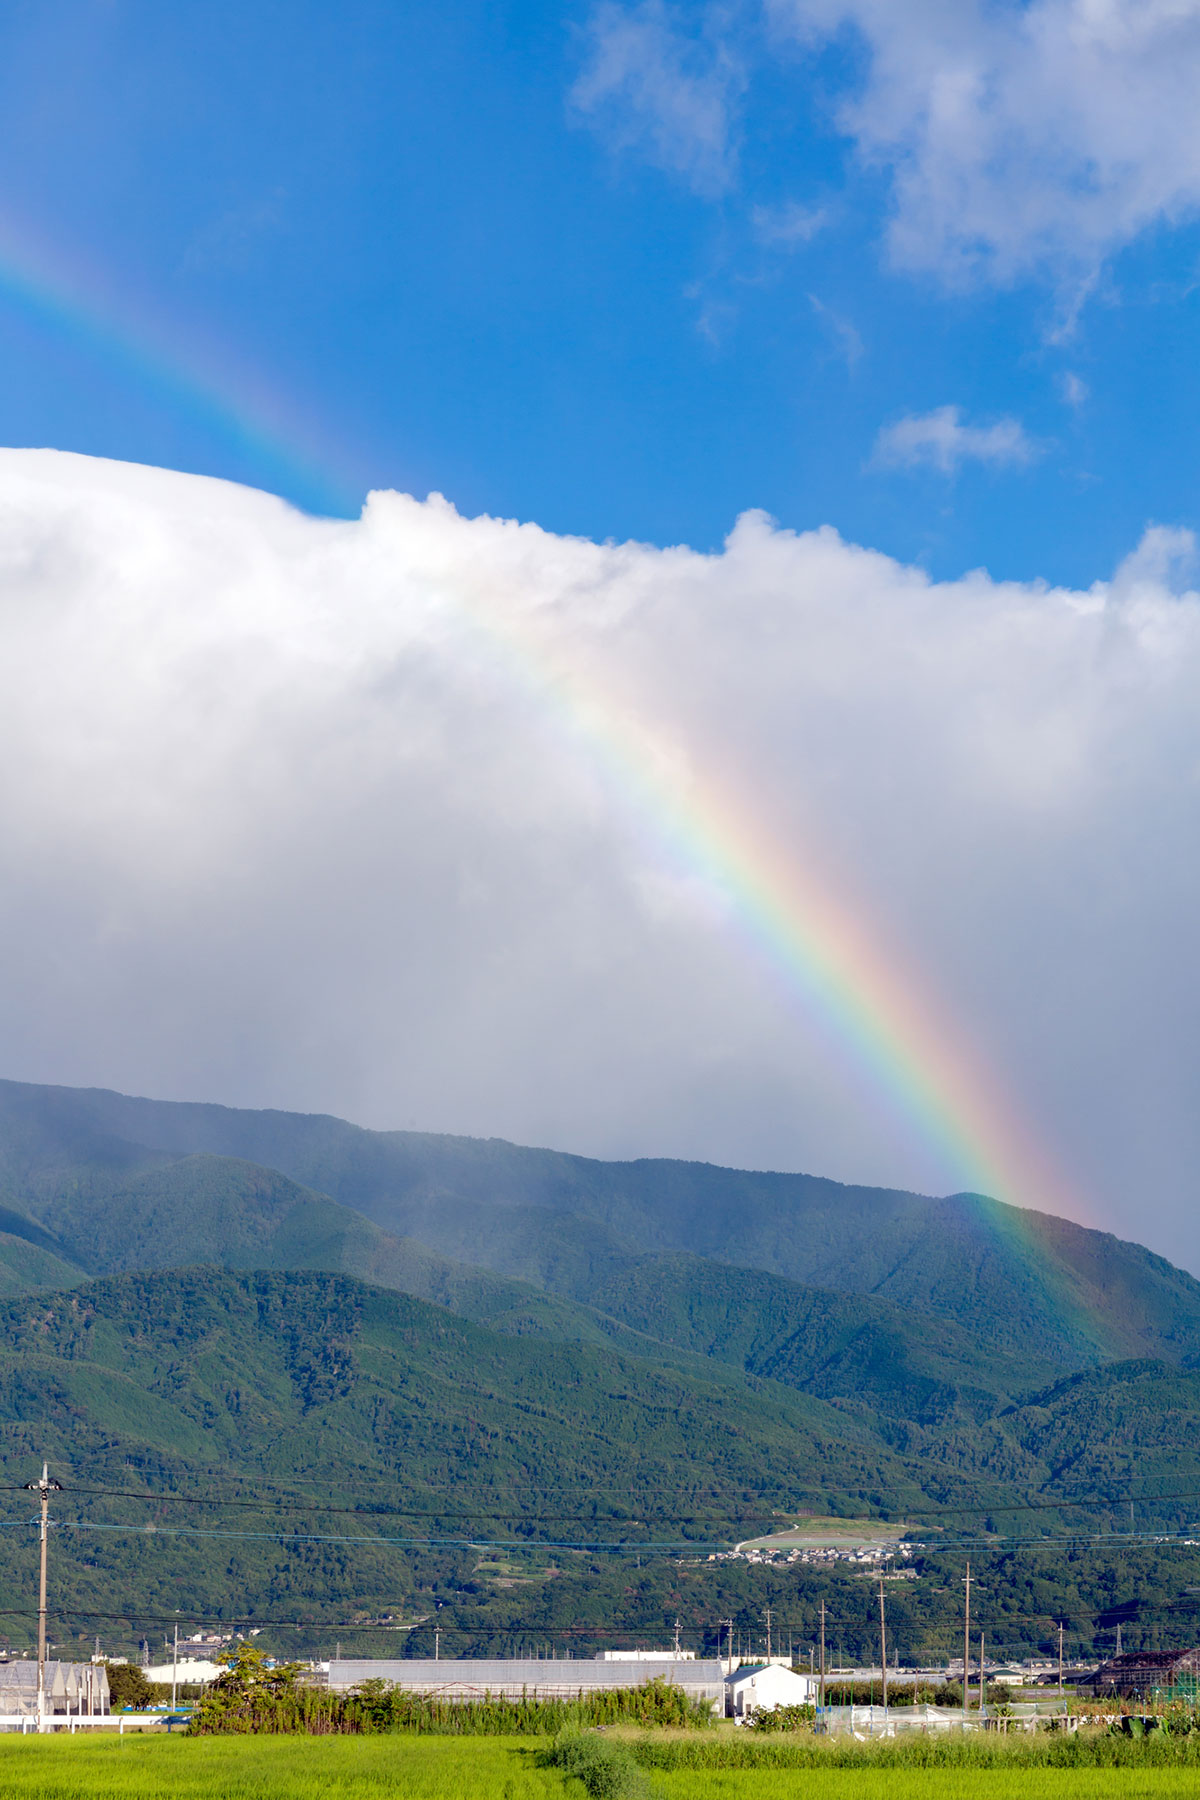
(195, 1670)
(761, 1687)
(653, 1656)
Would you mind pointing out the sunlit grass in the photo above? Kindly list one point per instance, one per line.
(399, 1767)
(925, 1784)
(257, 1768)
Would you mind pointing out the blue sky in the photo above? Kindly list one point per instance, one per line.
(626, 271)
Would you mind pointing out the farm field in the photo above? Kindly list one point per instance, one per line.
(275, 1768)
(1005, 1783)
(834, 1534)
(416, 1768)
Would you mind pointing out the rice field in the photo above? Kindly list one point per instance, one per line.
(925, 1784)
(425, 1768)
(274, 1768)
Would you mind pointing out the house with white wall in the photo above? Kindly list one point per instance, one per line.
(760, 1687)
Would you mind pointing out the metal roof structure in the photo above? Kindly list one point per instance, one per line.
(542, 1678)
(70, 1687)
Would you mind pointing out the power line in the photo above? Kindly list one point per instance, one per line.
(771, 1510)
(776, 1508)
(693, 1546)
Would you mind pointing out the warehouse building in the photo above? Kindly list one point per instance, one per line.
(78, 1690)
(540, 1678)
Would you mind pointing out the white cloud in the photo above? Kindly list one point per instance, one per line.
(940, 440)
(1021, 137)
(845, 335)
(353, 816)
(1075, 390)
(787, 227)
(650, 86)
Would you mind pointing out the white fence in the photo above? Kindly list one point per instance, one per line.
(28, 1724)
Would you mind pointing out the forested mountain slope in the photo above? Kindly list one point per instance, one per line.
(859, 1350)
(284, 1425)
(1024, 1284)
(288, 1401)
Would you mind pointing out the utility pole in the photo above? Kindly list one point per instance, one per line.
(967, 1650)
(768, 1634)
(821, 1689)
(43, 1488)
(728, 1624)
(175, 1666)
(1060, 1658)
(437, 1643)
(982, 1681)
(883, 1642)
(677, 1639)
(1118, 1637)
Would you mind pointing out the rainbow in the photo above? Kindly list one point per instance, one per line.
(882, 1018)
(883, 1021)
(232, 404)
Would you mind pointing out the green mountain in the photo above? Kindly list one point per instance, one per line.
(924, 1327)
(337, 1414)
(1024, 1286)
(863, 1352)
(284, 1424)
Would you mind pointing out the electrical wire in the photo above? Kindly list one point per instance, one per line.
(770, 1509)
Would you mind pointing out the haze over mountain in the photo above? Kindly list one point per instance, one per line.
(457, 1325)
(889, 1303)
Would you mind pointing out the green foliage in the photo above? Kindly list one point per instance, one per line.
(607, 1770)
(252, 1699)
(783, 1718)
(129, 1686)
(1046, 1749)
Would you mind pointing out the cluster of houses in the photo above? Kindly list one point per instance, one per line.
(865, 1555)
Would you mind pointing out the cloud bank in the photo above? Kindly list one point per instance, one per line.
(310, 814)
(1021, 137)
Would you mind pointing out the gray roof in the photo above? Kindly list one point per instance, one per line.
(536, 1675)
(748, 1669)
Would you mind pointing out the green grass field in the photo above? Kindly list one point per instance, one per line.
(925, 1784)
(417, 1768)
(267, 1768)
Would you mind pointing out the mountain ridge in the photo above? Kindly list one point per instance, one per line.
(1049, 1289)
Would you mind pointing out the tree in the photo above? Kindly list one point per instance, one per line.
(128, 1685)
(250, 1674)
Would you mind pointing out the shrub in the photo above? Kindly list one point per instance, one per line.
(608, 1771)
(250, 1698)
(783, 1718)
